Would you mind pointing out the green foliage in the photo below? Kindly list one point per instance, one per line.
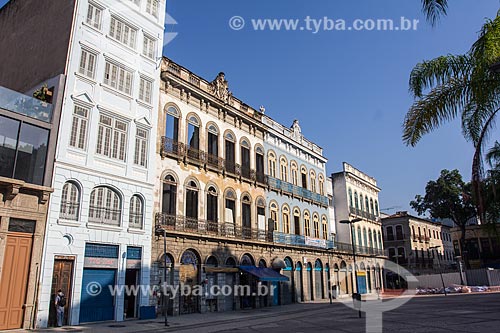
(434, 9)
(447, 197)
(459, 85)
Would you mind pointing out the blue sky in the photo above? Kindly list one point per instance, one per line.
(348, 89)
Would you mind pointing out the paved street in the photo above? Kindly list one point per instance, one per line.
(455, 313)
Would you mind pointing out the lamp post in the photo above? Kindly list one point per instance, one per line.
(160, 231)
(439, 264)
(357, 296)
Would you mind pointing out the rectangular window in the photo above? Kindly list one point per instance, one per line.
(141, 145)
(87, 64)
(31, 154)
(152, 7)
(122, 32)
(9, 129)
(111, 138)
(94, 15)
(78, 136)
(149, 47)
(145, 90)
(118, 77)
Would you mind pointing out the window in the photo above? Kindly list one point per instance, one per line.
(122, 32)
(274, 216)
(172, 129)
(283, 169)
(361, 201)
(324, 224)
(350, 198)
(370, 238)
(316, 225)
(304, 178)
(212, 211)
(295, 174)
(145, 90)
(365, 238)
(272, 165)
(399, 232)
(169, 198)
(192, 201)
(78, 138)
(356, 200)
(94, 15)
(87, 64)
(152, 7)
(193, 137)
(246, 215)
(70, 202)
(136, 212)
(23, 150)
(371, 206)
(118, 77)
(307, 224)
(313, 182)
(111, 138)
(376, 208)
(296, 221)
(261, 214)
(141, 147)
(367, 206)
(105, 206)
(380, 245)
(149, 47)
(213, 146)
(390, 233)
(286, 220)
(321, 185)
(230, 154)
(230, 205)
(259, 164)
(360, 237)
(245, 159)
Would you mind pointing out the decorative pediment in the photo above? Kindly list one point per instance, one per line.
(143, 121)
(84, 98)
(220, 88)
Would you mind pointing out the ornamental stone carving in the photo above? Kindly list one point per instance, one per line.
(220, 88)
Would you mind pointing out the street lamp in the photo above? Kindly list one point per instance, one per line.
(357, 296)
(159, 231)
(432, 248)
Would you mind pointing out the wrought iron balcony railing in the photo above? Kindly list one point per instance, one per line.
(288, 188)
(361, 213)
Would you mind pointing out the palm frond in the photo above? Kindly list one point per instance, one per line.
(434, 9)
(493, 155)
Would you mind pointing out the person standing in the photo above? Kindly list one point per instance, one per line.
(60, 304)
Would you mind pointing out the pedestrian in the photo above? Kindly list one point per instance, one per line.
(60, 304)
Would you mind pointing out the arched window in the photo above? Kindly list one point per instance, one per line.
(295, 173)
(261, 213)
(272, 164)
(213, 146)
(365, 238)
(303, 173)
(274, 215)
(230, 205)
(169, 198)
(192, 202)
(259, 164)
(321, 185)
(286, 219)
(307, 223)
(375, 241)
(367, 206)
(380, 245)
(230, 156)
(245, 159)
(376, 208)
(370, 238)
(361, 201)
(212, 204)
(70, 202)
(283, 169)
(136, 212)
(313, 181)
(172, 129)
(356, 200)
(324, 225)
(316, 225)
(360, 237)
(105, 206)
(371, 207)
(193, 137)
(350, 198)
(246, 212)
(296, 221)
(247, 260)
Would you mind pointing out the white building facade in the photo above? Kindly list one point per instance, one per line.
(99, 224)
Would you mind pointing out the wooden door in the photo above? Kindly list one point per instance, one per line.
(14, 280)
(61, 279)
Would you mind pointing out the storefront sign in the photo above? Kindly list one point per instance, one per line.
(315, 242)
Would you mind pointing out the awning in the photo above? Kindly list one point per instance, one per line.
(264, 273)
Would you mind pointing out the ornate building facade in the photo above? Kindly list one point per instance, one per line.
(238, 193)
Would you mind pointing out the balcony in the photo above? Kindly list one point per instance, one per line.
(23, 104)
(361, 213)
(229, 230)
(362, 250)
(287, 188)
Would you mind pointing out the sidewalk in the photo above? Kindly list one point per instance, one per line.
(188, 321)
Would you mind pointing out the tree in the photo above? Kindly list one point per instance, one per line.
(448, 197)
(434, 9)
(459, 86)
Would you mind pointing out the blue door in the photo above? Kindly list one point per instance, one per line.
(94, 305)
(362, 283)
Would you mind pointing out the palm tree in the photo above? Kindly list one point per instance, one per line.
(459, 85)
(434, 9)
